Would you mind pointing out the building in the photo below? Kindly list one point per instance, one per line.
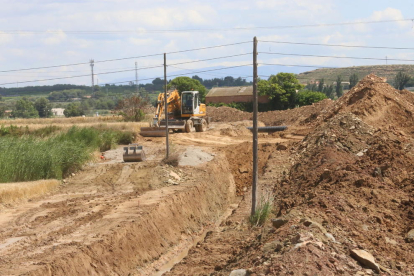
(236, 94)
(58, 111)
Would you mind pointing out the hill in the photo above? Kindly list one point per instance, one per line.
(330, 74)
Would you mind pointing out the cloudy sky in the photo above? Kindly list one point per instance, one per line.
(42, 33)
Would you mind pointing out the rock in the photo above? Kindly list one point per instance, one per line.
(360, 154)
(271, 247)
(278, 222)
(365, 258)
(281, 147)
(330, 236)
(73, 174)
(243, 170)
(410, 236)
(302, 237)
(174, 175)
(313, 224)
(172, 182)
(390, 241)
(239, 272)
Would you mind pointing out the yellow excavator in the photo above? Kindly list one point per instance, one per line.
(185, 112)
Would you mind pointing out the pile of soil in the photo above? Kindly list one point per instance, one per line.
(349, 192)
(297, 116)
(377, 103)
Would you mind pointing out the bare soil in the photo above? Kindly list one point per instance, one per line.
(341, 178)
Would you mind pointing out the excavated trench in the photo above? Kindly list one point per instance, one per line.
(143, 235)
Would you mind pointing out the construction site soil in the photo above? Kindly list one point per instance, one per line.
(340, 178)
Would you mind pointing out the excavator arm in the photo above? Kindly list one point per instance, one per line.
(173, 105)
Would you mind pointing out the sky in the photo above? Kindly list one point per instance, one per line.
(44, 33)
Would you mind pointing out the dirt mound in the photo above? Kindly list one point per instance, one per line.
(297, 116)
(227, 114)
(357, 181)
(377, 103)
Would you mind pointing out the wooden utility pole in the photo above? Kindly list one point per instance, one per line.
(166, 107)
(93, 85)
(255, 144)
(136, 77)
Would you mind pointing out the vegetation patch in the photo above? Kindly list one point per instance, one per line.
(32, 158)
(15, 192)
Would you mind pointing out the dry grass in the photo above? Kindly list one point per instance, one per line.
(19, 191)
(66, 123)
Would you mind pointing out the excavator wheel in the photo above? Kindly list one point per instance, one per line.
(202, 126)
(188, 126)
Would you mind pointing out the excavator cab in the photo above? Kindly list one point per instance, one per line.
(190, 102)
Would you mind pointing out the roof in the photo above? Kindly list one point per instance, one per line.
(231, 91)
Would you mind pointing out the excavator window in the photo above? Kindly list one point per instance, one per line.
(195, 101)
(187, 102)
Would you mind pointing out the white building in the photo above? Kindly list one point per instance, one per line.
(58, 111)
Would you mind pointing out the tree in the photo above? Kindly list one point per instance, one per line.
(353, 80)
(306, 97)
(188, 84)
(197, 78)
(401, 80)
(339, 89)
(132, 108)
(321, 84)
(329, 91)
(43, 107)
(24, 109)
(73, 110)
(281, 89)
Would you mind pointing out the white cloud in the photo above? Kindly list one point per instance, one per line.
(56, 37)
(390, 14)
(5, 38)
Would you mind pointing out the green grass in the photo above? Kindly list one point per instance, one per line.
(29, 158)
(263, 210)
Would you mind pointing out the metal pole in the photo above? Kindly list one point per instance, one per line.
(93, 85)
(255, 157)
(136, 77)
(166, 106)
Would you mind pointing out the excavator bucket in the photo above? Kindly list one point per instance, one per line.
(134, 153)
(153, 132)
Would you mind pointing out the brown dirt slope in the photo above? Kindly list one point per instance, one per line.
(297, 116)
(350, 187)
(377, 103)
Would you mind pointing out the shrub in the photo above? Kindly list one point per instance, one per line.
(263, 210)
(31, 158)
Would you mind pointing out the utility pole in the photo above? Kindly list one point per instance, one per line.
(166, 106)
(93, 84)
(255, 143)
(136, 77)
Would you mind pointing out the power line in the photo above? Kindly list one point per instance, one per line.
(118, 59)
(192, 72)
(88, 32)
(129, 70)
(337, 45)
(296, 65)
(304, 55)
(178, 75)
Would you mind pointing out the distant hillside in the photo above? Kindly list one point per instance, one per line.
(330, 74)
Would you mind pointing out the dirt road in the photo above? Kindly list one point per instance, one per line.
(115, 218)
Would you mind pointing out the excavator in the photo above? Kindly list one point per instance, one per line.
(185, 112)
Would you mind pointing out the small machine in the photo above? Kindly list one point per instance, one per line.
(134, 153)
(185, 112)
